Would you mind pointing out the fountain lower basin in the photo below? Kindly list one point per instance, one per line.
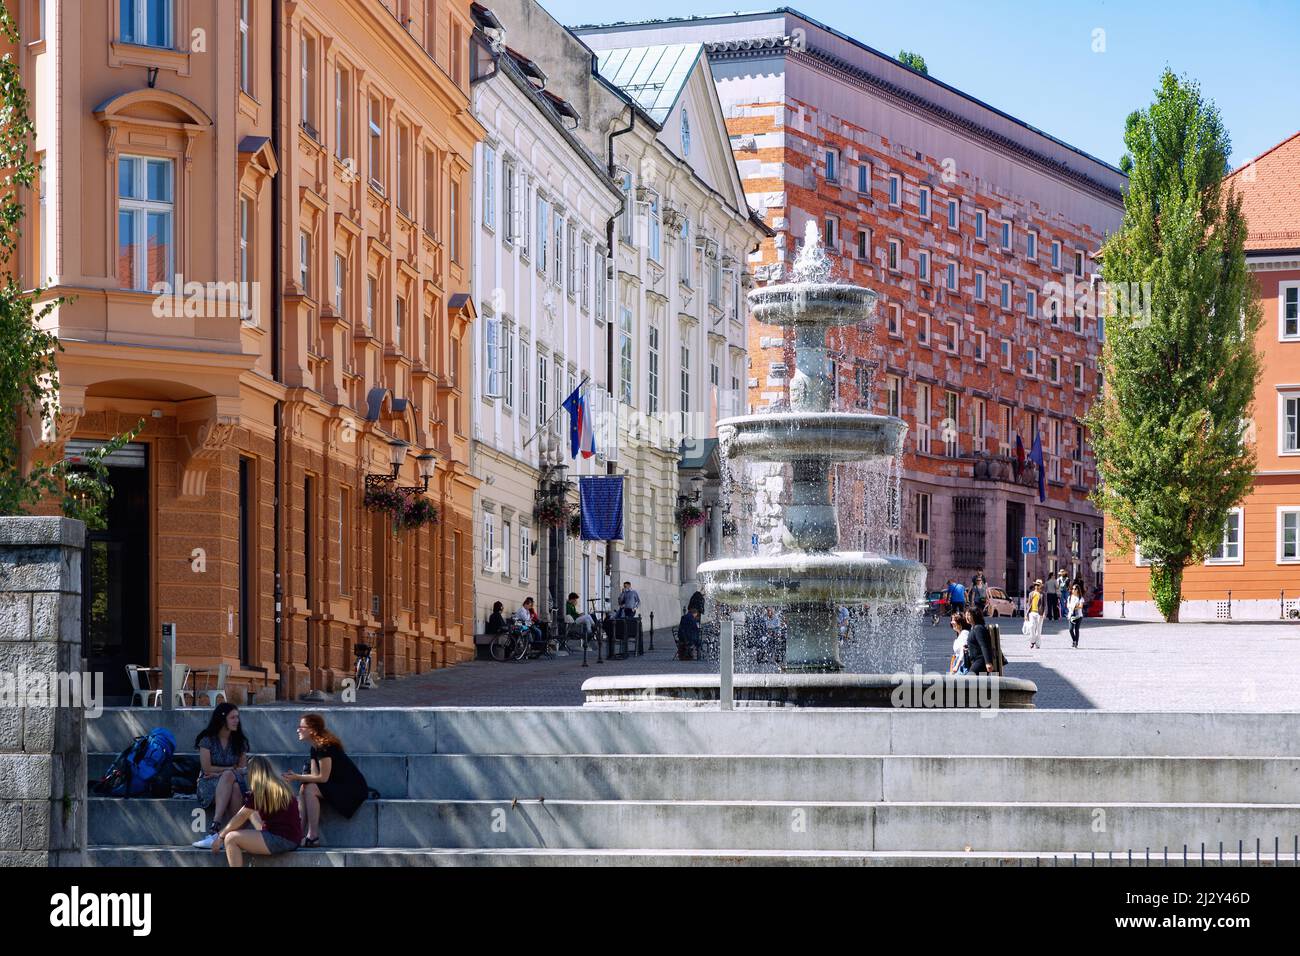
(824, 436)
(831, 578)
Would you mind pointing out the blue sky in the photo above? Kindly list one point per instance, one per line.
(1035, 60)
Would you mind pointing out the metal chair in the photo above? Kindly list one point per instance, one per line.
(180, 677)
(223, 671)
(147, 696)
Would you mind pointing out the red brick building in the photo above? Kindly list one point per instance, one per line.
(965, 221)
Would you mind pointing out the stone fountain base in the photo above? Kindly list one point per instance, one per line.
(915, 690)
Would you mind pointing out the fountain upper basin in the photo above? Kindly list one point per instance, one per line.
(822, 304)
(832, 577)
(830, 436)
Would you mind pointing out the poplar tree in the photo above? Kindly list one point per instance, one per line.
(1171, 427)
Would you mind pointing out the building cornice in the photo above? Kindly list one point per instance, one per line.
(838, 68)
(1280, 261)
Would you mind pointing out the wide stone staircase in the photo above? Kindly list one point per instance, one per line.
(562, 786)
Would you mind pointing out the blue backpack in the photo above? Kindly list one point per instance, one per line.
(143, 769)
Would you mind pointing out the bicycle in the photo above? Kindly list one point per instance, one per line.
(363, 669)
(510, 644)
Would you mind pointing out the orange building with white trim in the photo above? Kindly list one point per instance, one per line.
(1255, 574)
(300, 171)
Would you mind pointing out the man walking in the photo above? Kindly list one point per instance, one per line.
(1062, 592)
(1034, 619)
(629, 602)
(956, 597)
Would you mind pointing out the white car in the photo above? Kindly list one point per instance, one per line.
(999, 605)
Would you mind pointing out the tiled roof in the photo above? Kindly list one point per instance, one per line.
(652, 75)
(1270, 189)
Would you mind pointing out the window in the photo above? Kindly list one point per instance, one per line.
(1004, 440)
(304, 261)
(602, 277)
(431, 193)
(656, 226)
(893, 395)
(525, 552)
(145, 241)
(951, 436)
(245, 47)
(457, 54)
(954, 213)
(1049, 539)
(1031, 244)
(1004, 296)
(1289, 424)
(399, 325)
(625, 220)
(1054, 368)
(508, 347)
(491, 358)
(952, 341)
(510, 202)
(895, 254)
(832, 165)
(864, 244)
(923, 528)
(923, 329)
(404, 185)
(979, 284)
(1056, 255)
(543, 390)
(894, 319)
(1031, 303)
(895, 189)
(489, 543)
(1288, 535)
(1078, 375)
(1006, 235)
(340, 282)
(453, 225)
(489, 186)
(923, 202)
(951, 282)
(979, 224)
(245, 255)
(375, 153)
(372, 297)
(1078, 263)
(979, 342)
(146, 22)
(557, 255)
(543, 233)
(625, 355)
(686, 386)
(864, 177)
(586, 275)
(307, 86)
(507, 535)
(830, 230)
(525, 380)
(342, 111)
(923, 418)
(685, 254)
(344, 531)
(979, 422)
(652, 373)
(43, 223)
(1031, 362)
(1006, 354)
(1229, 549)
(1288, 301)
(923, 265)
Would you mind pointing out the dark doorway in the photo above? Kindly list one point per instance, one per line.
(115, 628)
(1015, 560)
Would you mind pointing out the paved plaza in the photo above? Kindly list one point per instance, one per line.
(1120, 665)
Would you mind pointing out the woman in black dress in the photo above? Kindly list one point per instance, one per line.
(333, 777)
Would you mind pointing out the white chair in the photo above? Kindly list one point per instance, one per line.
(139, 691)
(223, 671)
(180, 676)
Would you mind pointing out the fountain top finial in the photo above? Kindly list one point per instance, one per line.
(812, 264)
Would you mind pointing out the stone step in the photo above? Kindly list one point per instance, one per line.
(542, 730)
(715, 825)
(820, 778)
(172, 857)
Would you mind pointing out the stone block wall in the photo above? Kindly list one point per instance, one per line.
(42, 746)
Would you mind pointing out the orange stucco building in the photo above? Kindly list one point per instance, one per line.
(1255, 572)
(297, 174)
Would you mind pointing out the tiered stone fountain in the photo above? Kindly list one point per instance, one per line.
(808, 579)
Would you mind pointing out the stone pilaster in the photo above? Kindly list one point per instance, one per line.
(42, 741)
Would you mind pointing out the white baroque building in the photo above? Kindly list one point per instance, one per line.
(676, 343)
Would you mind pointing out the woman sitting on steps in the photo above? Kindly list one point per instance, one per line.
(331, 776)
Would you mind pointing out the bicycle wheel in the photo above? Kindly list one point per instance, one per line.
(501, 647)
(520, 649)
(362, 671)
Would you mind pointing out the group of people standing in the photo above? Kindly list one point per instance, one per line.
(1042, 604)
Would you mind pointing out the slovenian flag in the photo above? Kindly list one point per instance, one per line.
(1036, 456)
(581, 436)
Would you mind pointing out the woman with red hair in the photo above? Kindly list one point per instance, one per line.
(331, 776)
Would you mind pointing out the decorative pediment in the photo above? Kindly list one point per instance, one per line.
(153, 107)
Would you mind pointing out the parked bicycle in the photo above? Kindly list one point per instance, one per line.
(363, 669)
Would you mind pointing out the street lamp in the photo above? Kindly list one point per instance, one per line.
(425, 464)
(397, 450)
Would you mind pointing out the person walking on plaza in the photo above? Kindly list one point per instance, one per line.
(1034, 615)
(979, 592)
(688, 635)
(957, 665)
(1074, 611)
(979, 644)
(956, 597)
(629, 602)
(1062, 590)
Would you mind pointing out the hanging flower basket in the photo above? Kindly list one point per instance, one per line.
(553, 513)
(575, 525)
(405, 510)
(691, 516)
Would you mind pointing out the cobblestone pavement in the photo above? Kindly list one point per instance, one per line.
(1120, 665)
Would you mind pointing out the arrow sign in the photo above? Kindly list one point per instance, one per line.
(1028, 545)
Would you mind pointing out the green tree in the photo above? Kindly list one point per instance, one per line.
(914, 60)
(29, 374)
(1179, 376)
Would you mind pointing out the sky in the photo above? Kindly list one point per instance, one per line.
(1036, 59)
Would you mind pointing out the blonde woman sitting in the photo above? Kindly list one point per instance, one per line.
(272, 810)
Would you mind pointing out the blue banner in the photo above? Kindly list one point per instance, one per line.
(602, 508)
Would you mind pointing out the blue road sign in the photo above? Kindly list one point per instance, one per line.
(1028, 545)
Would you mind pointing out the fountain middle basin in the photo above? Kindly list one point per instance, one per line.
(824, 436)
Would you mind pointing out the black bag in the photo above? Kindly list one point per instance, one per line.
(185, 774)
